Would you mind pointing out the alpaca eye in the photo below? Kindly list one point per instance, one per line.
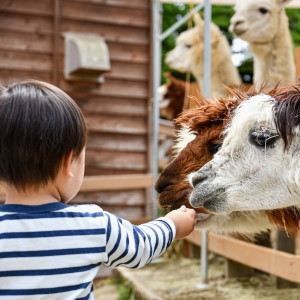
(213, 148)
(188, 46)
(263, 10)
(263, 139)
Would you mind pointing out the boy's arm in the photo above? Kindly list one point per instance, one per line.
(135, 246)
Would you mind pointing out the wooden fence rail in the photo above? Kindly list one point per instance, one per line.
(272, 261)
(112, 183)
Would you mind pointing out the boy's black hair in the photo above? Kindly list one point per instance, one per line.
(40, 126)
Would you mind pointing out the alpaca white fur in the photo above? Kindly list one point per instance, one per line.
(264, 25)
(243, 222)
(187, 56)
(183, 136)
(252, 171)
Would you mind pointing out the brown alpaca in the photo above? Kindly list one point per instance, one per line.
(176, 95)
(202, 127)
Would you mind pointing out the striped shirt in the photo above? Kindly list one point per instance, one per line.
(54, 251)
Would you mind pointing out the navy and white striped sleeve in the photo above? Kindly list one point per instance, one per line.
(135, 246)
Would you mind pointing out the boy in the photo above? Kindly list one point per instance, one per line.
(49, 249)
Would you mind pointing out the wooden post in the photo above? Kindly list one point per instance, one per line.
(297, 62)
(235, 269)
(286, 244)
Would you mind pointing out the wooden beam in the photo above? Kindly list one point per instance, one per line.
(116, 182)
(293, 4)
(166, 127)
(268, 260)
(112, 183)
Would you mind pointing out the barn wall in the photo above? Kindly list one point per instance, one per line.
(32, 46)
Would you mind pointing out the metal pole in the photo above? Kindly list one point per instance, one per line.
(207, 50)
(156, 28)
(206, 94)
(184, 19)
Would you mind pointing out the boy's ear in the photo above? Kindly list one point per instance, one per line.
(67, 165)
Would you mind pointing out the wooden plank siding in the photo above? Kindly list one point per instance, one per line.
(117, 111)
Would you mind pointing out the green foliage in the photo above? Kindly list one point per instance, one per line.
(125, 291)
(294, 24)
(171, 13)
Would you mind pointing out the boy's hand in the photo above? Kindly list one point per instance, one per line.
(184, 219)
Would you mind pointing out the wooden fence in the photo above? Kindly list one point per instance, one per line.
(269, 260)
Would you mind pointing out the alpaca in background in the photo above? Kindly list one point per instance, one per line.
(187, 56)
(175, 96)
(264, 25)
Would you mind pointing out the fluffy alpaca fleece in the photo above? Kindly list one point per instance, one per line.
(264, 25)
(257, 166)
(175, 96)
(187, 56)
(198, 140)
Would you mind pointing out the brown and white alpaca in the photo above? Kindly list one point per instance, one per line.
(264, 25)
(187, 56)
(198, 140)
(257, 167)
(175, 96)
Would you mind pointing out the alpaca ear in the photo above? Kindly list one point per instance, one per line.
(283, 2)
(215, 35)
(198, 20)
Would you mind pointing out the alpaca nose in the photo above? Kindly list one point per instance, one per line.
(238, 22)
(200, 175)
(165, 179)
(197, 178)
(235, 22)
(161, 183)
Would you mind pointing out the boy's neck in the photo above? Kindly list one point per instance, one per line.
(40, 196)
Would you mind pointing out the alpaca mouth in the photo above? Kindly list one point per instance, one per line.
(202, 217)
(239, 32)
(176, 201)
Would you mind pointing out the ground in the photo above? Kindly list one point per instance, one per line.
(176, 279)
(105, 290)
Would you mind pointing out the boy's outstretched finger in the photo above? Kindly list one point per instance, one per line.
(192, 212)
(183, 208)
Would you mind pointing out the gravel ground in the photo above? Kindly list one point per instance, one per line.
(105, 290)
(176, 279)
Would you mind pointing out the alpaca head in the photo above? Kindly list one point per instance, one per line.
(187, 56)
(176, 95)
(197, 141)
(257, 21)
(257, 166)
(171, 96)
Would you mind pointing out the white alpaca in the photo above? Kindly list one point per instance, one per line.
(187, 56)
(264, 25)
(258, 166)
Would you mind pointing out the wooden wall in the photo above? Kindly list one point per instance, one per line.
(117, 111)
